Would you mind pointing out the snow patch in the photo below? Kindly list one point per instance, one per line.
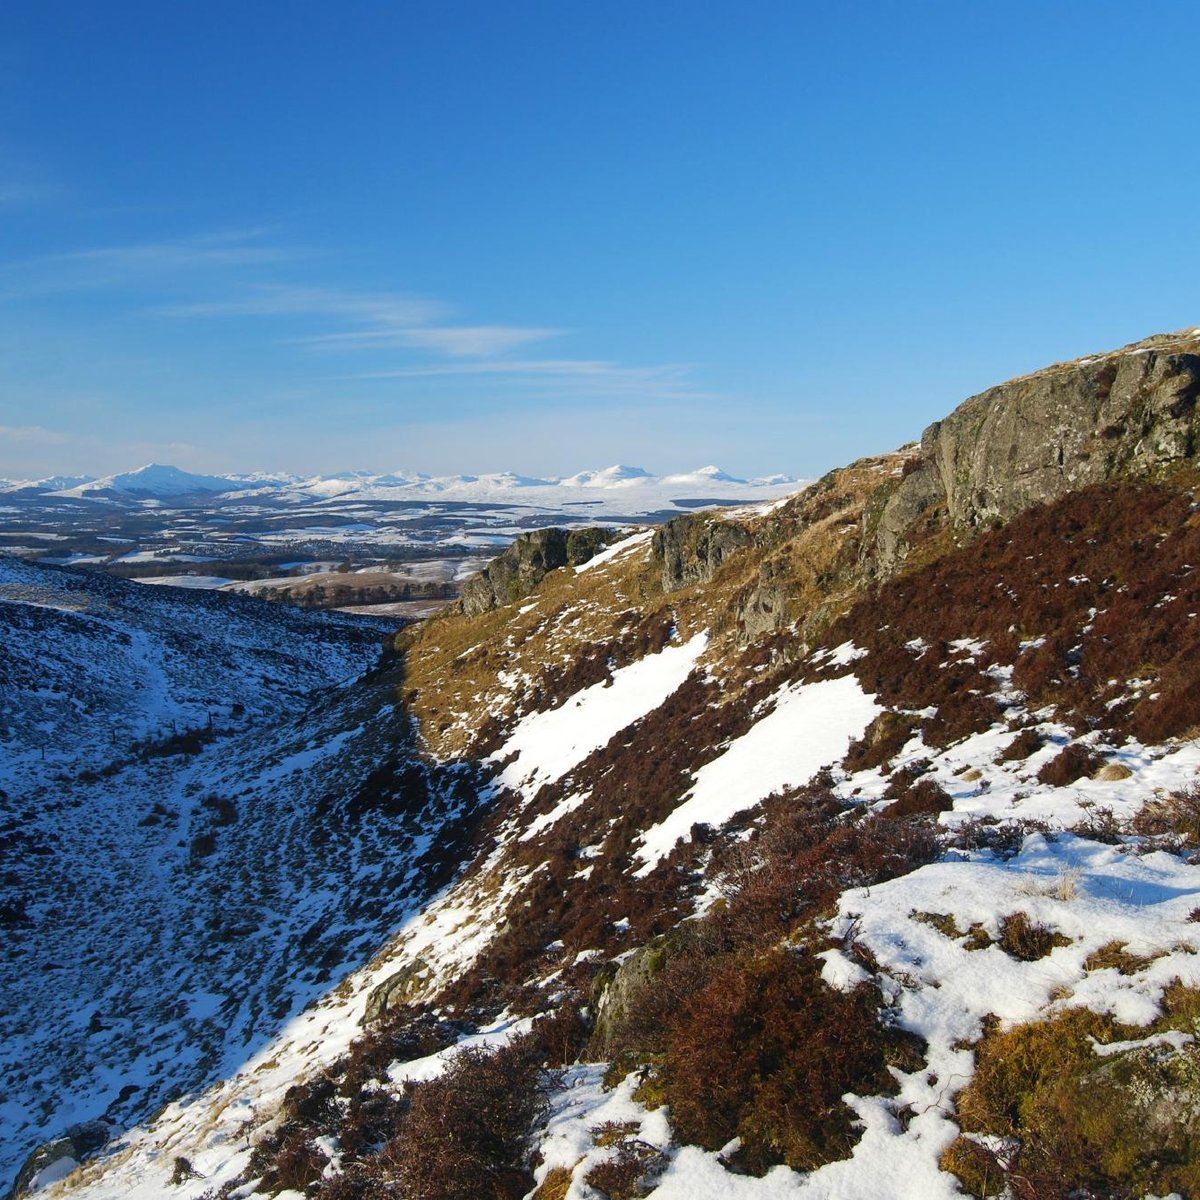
(549, 744)
(810, 727)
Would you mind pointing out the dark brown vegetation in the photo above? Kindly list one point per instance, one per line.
(1071, 763)
(467, 1132)
(915, 796)
(1028, 741)
(1027, 940)
(633, 782)
(630, 1173)
(736, 1031)
(1093, 601)
(464, 1135)
(764, 1051)
(1175, 818)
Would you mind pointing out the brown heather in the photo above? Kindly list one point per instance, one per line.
(1089, 600)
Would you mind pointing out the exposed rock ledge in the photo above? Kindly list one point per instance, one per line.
(1131, 412)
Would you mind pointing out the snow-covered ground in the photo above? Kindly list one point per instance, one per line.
(171, 904)
(807, 726)
(319, 912)
(546, 745)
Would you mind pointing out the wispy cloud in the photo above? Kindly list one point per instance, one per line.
(376, 320)
(235, 247)
(591, 376)
(102, 267)
(15, 194)
(380, 309)
(37, 434)
(226, 275)
(458, 341)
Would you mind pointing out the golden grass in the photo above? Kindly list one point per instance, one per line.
(811, 544)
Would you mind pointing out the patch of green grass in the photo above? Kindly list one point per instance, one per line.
(1078, 1122)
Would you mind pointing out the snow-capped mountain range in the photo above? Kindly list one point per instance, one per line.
(157, 481)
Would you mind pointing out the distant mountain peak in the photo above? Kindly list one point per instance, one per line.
(154, 479)
(635, 485)
(613, 476)
(709, 474)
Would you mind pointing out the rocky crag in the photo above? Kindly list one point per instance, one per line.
(1128, 414)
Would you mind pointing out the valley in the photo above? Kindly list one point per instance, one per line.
(417, 537)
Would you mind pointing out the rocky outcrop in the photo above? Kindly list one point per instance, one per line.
(397, 990)
(691, 548)
(515, 573)
(618, 989)
(58, 1158)
(769, 604)
(1033, 439)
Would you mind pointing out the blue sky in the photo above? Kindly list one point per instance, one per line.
(547, 236)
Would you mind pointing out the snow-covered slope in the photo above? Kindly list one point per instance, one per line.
(816, 862)
(930, 935)
(174, 891)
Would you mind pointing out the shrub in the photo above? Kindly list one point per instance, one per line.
(810, 858)
(1026, 940)
(925, 797)
(288, 1159)
(183, 1171)
(1079, 1124)
(764, 1052)
(224, 810)
(883, 739)
(400, 1036)
(360, 1181)
(1114, 956)
(1099, 823)
(1071, 763)
(1176, 816)
(467, 1133)
(1027, 742)
(986, 833)
(558, 1038)
(1174, 712)
(202, 846)
(961, 712)
(630, 1173)
(901, 781)
(978, 1169)
(313, 1104)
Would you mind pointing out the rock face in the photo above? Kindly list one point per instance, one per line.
(614, 993)
(396, 990)
(1034, 439)
(56, 1159)
(516, 572)
(769, 605)
(692, 548)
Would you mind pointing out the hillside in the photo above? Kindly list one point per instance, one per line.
(845, 845)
